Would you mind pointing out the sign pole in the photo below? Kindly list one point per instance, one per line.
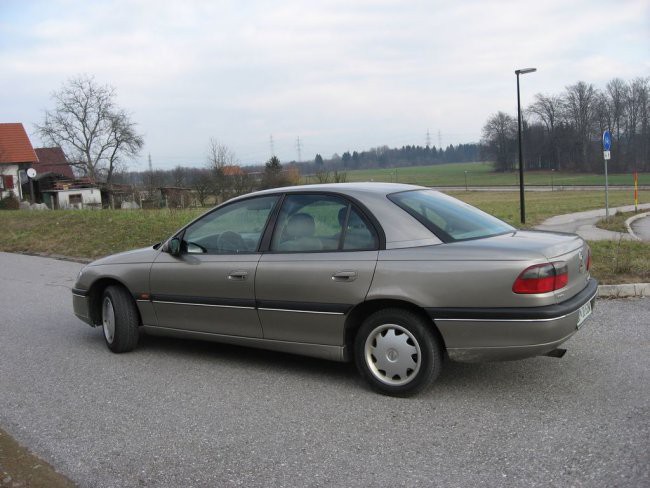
(606, 193)
(636, 192)
(607, 144)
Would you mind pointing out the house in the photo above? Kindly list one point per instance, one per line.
(59, 193)
(16, 154)
(176, 197)
(52, 167)
(52, 160)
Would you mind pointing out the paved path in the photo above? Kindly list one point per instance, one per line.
(641, 228)
(191, 414)
(584, 224)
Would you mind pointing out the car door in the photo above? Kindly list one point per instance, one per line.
(209, 286)
(320, 263)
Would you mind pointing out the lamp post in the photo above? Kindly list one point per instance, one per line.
(522, 204)
(552, 173)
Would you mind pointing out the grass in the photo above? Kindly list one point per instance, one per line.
(620, 261)
(542, 205)
(482, 174)
(616, 222)
(22, 468)
(88, 233)
(92, 234)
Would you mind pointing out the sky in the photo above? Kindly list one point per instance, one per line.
(339, 74)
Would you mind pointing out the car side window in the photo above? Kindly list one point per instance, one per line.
(233, 229)
(313, 223)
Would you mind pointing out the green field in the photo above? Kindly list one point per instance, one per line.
(481, 174)
(541, 205)
(91, 234)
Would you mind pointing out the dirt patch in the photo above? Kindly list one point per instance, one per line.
(20, 468)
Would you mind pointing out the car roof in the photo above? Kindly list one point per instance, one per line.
(352, 189)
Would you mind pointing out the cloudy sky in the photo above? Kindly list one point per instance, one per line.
(339, 74)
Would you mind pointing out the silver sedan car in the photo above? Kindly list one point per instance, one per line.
(395, 277)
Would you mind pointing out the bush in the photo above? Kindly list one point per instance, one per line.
(9, 202)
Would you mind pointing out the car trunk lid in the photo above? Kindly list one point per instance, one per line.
(570, 249)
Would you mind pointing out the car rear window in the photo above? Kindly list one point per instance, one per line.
(448, 218)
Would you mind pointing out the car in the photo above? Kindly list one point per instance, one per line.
(395, 277)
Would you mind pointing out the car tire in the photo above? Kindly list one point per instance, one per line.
(397, 352)
(120, 319)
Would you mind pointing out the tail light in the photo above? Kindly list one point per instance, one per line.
(588, 258)
(542, 278)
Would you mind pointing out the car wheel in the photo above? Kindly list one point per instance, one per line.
(397, 353)
(120, 319)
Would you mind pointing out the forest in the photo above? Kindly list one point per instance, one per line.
(564, 131)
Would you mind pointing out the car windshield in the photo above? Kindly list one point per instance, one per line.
(450, 219)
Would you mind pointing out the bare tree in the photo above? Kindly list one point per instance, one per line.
(179, 175)
(580, 111)
(637, 118)
(548, 109)
(617, 90)
(219, 156)
(92, 130)
(499, 134)
(200, 181)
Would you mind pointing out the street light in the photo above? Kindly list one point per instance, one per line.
(522, 204)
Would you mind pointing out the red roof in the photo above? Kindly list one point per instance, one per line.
(232, 170)
(52, 160)
(15, 146)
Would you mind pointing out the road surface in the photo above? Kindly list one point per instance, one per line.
(641, 228)
(183, 413)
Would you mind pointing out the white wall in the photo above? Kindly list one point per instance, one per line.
(10, 169)
(89, 197)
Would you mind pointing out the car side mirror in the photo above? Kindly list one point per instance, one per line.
(174, 246)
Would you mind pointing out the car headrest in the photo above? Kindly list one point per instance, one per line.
(300, 225)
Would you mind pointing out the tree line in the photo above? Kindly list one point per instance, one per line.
(560, 131)
(564, 131)
(410, 155)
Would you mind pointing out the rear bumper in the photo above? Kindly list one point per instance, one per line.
(501, 334)
(81, 305)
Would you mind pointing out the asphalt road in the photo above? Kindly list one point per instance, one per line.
(182, 413)
(641, 228)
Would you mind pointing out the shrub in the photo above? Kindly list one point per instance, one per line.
(10, 202)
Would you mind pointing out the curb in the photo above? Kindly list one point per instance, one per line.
(628, 290)
(58, 257)
(628, 224)
(624, 291)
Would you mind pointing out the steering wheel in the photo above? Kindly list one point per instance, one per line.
(230, 242)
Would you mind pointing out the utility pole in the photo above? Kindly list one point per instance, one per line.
(150, 177)
(439, 140)
(272, 145)
(299, 148)
(428, 139)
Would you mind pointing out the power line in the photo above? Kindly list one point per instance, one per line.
(428, 138)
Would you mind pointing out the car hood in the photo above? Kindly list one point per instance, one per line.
(143, 255)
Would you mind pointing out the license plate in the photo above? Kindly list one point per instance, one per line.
(583, 313)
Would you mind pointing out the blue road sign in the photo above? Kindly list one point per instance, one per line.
(607, 140)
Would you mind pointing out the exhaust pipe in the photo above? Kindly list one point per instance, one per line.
(556, 353)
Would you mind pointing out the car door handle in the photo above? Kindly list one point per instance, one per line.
(345, 276)
(237, 275)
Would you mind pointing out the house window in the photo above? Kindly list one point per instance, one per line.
(75, 199)
(7, 182)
